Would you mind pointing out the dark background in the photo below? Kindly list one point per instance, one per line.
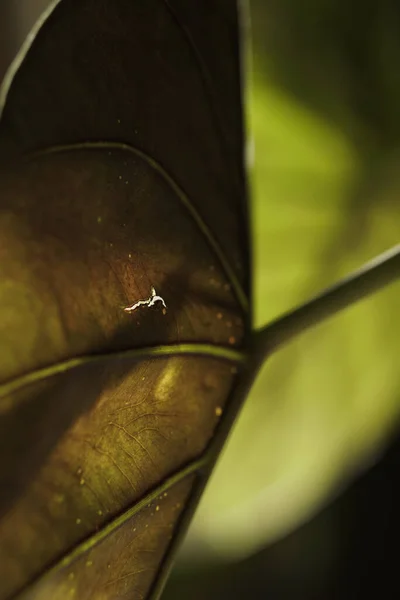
(349, 550)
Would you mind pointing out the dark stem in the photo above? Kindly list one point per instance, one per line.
(370, 278)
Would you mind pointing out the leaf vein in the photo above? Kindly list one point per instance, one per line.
(178, 191)
(152, 352)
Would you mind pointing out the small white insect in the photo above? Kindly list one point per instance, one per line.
(149, 302)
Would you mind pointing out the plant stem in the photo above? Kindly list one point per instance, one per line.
(372, 277)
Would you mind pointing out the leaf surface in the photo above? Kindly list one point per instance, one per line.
(121, 172)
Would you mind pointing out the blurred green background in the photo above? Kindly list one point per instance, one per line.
(323, 110)
(324, 127)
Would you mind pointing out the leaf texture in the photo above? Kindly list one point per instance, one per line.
(121, 172)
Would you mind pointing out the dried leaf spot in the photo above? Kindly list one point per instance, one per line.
(149, 302)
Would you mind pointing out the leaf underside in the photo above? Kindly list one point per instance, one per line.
(121, 170)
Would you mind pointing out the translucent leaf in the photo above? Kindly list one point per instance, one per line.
(124, 287)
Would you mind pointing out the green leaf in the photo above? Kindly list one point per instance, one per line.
(121, 172)
(326, 404)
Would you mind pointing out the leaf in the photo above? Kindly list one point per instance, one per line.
(324, 406)
(121, 171)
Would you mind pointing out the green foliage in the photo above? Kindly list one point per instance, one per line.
(322, 407)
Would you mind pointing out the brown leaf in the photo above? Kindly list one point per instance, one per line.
(121, 185)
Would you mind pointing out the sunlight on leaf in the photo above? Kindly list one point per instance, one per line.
(121, 173)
